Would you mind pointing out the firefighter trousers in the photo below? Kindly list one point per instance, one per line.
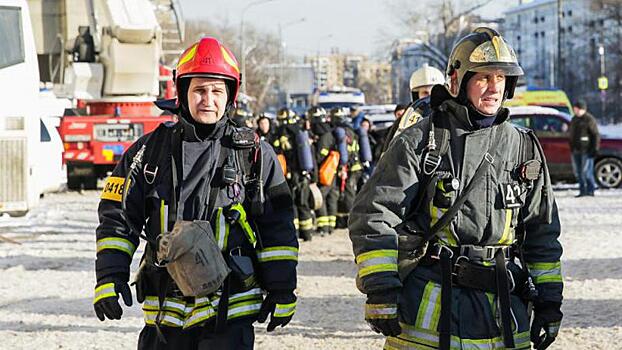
(237, 336)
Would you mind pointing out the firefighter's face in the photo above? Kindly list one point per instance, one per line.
(207, 99)
(485, 91)
(425, 91)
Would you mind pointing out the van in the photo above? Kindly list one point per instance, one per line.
(551, 98)
(29, 142)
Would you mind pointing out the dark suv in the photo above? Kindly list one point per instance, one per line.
(551, 127)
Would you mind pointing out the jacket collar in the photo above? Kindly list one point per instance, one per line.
(190, 134)
(441, 100)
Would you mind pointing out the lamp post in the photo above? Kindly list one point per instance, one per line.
(283, 57)
(243, 58)
(603, 91)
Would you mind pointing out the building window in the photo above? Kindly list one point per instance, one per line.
(542, 34)
(518, 37)
(570, 29)
(11, 36)
(542, 19)
(536, 35)
(569, 13)
(535, 20)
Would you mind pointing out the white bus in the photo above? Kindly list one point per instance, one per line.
(340, 97)
(29, 157)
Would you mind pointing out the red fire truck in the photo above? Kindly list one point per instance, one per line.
(113, 71)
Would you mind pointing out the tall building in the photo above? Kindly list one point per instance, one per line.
(407, 55)
(558, 43)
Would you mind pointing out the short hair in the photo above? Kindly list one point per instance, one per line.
(399, 107)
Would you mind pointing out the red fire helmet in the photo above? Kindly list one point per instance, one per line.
(209, 58)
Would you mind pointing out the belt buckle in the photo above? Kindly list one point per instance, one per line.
(440, 248)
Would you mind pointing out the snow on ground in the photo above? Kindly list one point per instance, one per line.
(46, 282)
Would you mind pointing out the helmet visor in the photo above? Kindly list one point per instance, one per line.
(509, 69)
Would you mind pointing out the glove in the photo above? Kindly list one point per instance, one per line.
(106, 302)
(381, 313)
(547, 318)
(281, 306)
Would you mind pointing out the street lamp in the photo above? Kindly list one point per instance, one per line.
(243, 58)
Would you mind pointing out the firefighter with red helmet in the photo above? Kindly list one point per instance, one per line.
(202, 174)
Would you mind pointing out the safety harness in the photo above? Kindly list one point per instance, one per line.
(242, 153)
(457, 265)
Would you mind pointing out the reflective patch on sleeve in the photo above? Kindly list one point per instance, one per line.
(324, 152)
(380, 311)
(104, 291)
(116, 243)
(284, 310)
(278, 253)
(113, 189)
(374, 261)
(546, 272)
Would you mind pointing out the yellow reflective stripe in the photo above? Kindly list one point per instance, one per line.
(429, 309)
(168, 319)
(382, 260)
(306, 224)
(324, 152)
(222, 229)
(380, 311)
(506, 238)
(188, 56)
(163, 217)
(278, 253)
(230, 60)
(104, 291)
(285, 310)
(116, 243)
(356, 167)
(113, 189)
(296, 224)
(447, 236)
(199, 315)
(243, 221)
(413, 337)
(244, 309)
(251, 294)
(546, 272)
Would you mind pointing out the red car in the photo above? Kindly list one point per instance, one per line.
(551, 127)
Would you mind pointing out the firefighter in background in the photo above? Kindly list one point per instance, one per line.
(243, 117)
(292, 142)
(187, 173)
(350, 167)
(421, 82)
(265, 128)
(325, 148)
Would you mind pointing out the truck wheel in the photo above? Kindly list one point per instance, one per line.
(74, 183)
(90, 182)
(608, 172)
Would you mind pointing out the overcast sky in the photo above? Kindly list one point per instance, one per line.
(355, 26)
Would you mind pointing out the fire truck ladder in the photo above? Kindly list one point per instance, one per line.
(171, 20)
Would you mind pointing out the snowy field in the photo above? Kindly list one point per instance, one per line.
(46, 282)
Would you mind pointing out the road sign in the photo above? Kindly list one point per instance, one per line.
(603, 83)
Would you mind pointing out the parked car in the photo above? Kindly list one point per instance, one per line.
(551, 127)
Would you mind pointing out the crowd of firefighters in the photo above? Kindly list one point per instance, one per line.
(325, 155)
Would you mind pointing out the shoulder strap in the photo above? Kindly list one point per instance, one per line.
(437, 147)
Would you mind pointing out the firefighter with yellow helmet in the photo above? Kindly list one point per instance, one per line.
(456, 232)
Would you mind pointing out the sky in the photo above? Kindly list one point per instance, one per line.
(354, 26)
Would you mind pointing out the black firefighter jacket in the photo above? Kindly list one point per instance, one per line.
(200, 171)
